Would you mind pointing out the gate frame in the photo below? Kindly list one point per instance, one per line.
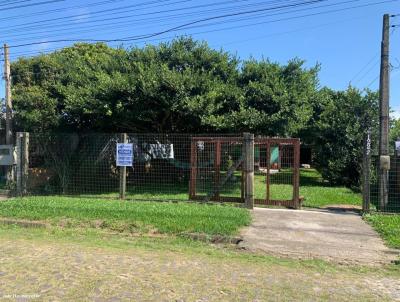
(295, 202)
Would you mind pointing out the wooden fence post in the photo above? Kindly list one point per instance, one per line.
(296, 174)
(217, 168)
(366, 172)
(248, 143)
(122, 172)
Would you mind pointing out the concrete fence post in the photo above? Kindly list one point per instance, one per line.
(366, 172)
(122, 171)
(22, 161)
(248, 165)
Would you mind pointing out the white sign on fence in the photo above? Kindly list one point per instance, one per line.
(397, 145)
(124, 155)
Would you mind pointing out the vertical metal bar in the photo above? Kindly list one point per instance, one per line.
(193, 170)
(296, 174)
(122, 172)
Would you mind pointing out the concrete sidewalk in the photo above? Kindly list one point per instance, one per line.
(337, 236)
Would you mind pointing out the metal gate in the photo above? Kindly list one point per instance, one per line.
(277, 172)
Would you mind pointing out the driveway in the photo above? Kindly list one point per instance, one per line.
(338, 236)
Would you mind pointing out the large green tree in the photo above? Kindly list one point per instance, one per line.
(185, 86)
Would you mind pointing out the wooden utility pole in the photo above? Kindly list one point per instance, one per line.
(384, 163)
(7, 78)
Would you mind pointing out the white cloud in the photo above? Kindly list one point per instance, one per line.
(80, 15)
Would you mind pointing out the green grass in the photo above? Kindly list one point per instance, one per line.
(171, 218)
(315, 191)
(388, 226)
(99, 239)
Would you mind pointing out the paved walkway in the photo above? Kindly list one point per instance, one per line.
(338, 236)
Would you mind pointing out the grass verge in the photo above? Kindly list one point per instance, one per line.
(94, 238)
(388, 226)
(142, 217)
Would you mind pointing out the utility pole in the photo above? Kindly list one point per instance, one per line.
(7, 78)
(384, 161)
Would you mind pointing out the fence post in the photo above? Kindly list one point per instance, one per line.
(366, 172)
(18, 161)
(248, 142)
(122, 172)
(296, 175)
(193, 169)
(22, 162)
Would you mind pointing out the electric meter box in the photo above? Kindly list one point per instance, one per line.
(385, 162)
(6, 155)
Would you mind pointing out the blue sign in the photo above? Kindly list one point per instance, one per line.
(124, 155)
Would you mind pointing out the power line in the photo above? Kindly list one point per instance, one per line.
(96, 21)
(104, 11)
(143, 36)
(33, 4)
(46, 12)
(147, 39)
(173, 28)
(277, 20)
(154, 21)
(372, 82)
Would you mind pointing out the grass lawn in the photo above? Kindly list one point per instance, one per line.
(388, 226)
(171, 218)
(315, 191)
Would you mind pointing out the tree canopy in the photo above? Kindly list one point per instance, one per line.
(185, 86)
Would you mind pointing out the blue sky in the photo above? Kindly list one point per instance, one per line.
(343, 42)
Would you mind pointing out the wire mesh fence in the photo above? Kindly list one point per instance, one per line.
(377, 200)
(164, 167)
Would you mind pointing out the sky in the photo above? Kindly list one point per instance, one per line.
(342, 36)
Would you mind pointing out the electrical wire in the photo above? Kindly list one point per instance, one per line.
(29, 5)
(170, 29)
(151, 21)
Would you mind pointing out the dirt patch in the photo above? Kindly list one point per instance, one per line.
(341, 237)
(68, 272)
(23, 223)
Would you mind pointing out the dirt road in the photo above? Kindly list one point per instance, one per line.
(36, 270)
